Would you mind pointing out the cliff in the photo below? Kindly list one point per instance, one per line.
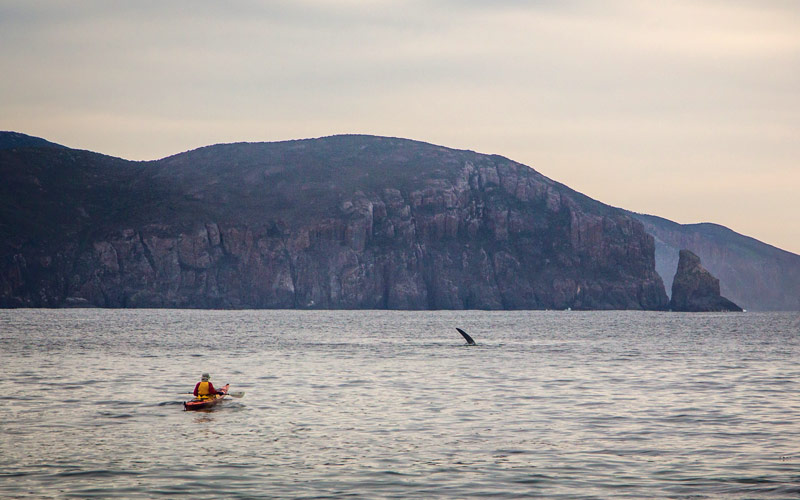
(757, 276)
(337, 222)
(694, 289)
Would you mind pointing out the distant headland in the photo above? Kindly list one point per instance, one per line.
(342, 222)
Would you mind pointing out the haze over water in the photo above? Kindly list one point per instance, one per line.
(377, 404)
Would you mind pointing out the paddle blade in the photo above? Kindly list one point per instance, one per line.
(236, 394)
(466, 337)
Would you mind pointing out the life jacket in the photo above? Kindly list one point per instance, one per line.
(203, 390)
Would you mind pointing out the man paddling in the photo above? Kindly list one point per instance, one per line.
(205, 389)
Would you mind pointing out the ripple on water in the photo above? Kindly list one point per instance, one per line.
(593, 405)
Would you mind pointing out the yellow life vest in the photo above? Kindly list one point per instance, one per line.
(203, 392)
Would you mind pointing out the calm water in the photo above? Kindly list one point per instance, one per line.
(393, 405)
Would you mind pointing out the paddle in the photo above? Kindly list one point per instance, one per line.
(234, 394)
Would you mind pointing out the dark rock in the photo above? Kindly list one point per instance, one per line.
(753, 274)
(694, 289)
(342, 222)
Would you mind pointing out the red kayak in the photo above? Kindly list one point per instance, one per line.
(202, 404)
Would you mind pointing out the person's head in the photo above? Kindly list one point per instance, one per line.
(205, 377)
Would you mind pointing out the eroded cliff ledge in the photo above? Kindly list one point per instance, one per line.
(339, 222)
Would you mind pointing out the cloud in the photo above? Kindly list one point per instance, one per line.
(593, 94)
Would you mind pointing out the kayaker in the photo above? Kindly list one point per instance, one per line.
(205, 389)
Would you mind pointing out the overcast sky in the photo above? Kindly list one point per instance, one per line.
(685, 109)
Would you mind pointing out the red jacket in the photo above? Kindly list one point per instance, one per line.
(210, 389)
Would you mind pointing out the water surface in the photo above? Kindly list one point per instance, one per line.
(376, 404)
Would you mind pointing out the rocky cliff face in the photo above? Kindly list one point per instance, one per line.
(339, 222)
(694, 289)
(757, 276)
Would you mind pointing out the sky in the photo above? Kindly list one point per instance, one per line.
(686, 109)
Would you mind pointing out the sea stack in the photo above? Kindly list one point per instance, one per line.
(694, 289)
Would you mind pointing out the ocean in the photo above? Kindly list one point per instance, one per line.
(390, 404)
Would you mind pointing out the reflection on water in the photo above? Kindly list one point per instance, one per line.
(392, 405)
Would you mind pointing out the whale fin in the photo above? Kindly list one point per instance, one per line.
(466, 337)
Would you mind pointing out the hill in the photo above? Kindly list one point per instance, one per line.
(13, 140)
(336, 222)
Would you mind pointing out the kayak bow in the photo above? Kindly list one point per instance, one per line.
(202, 404)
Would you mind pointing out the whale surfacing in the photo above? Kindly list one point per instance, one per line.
(466, 337)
